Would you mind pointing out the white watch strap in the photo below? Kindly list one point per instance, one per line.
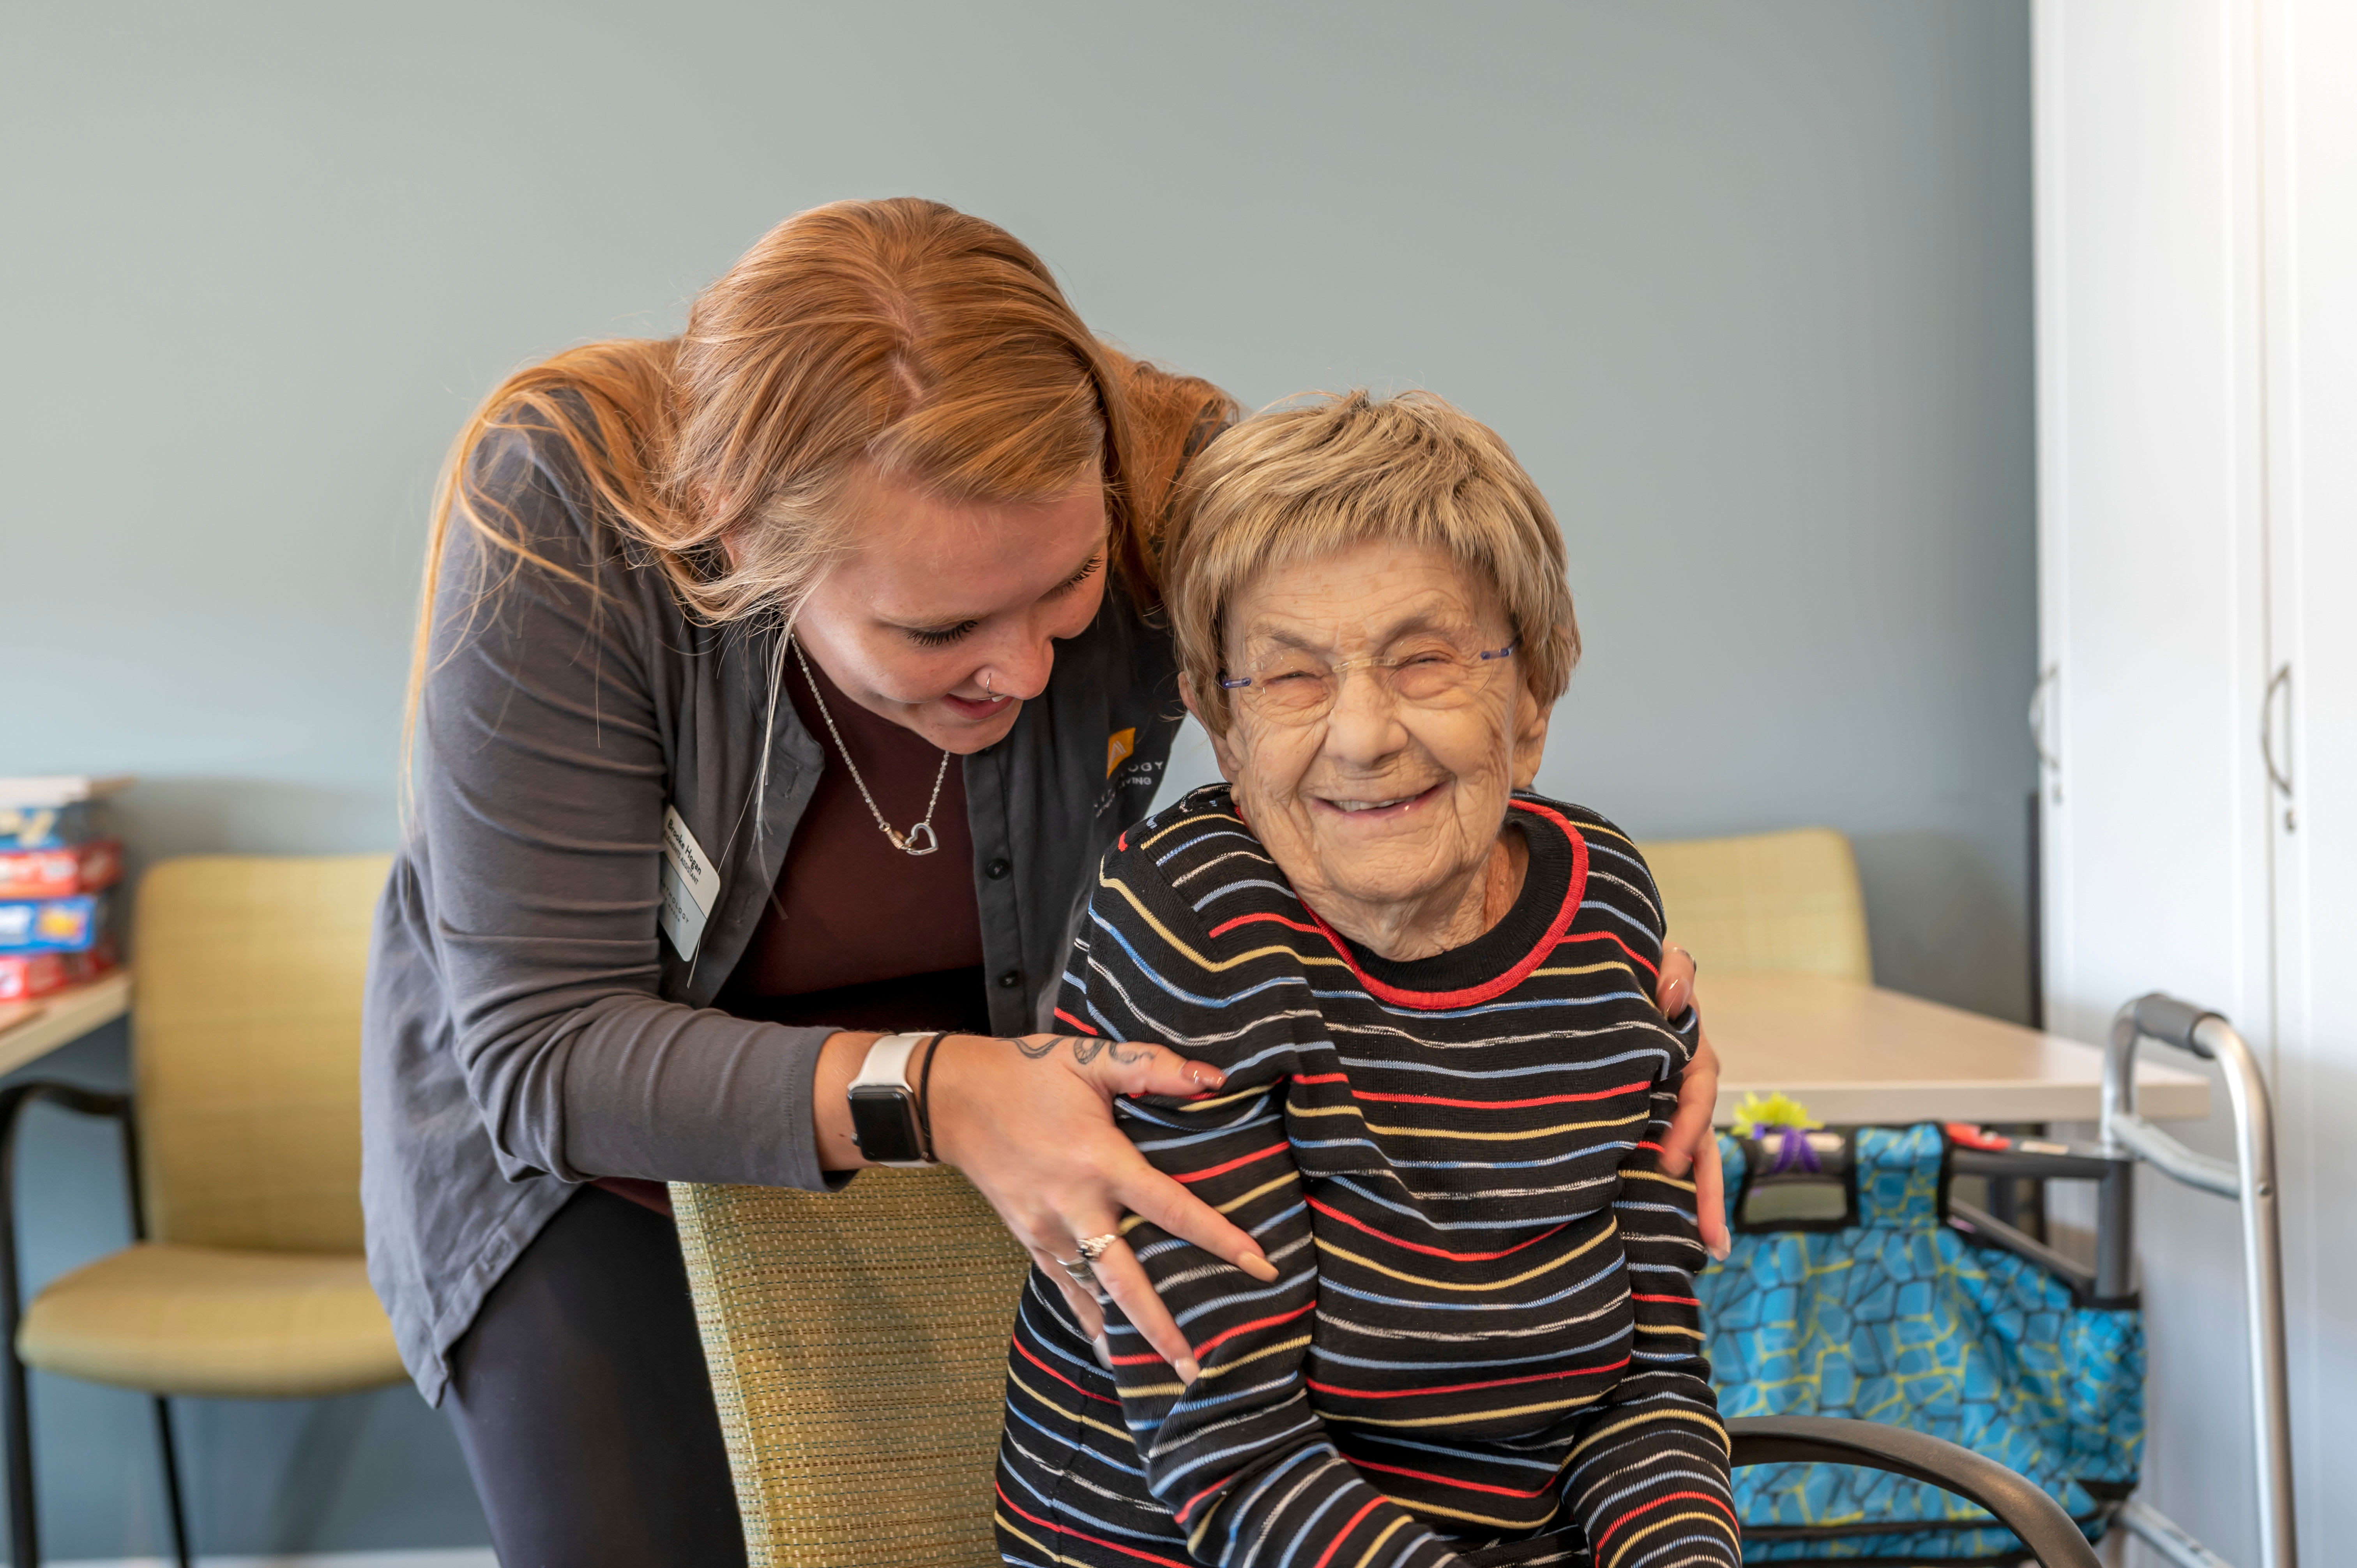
(886, 1065)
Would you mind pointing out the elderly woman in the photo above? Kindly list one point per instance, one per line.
(1431, 992)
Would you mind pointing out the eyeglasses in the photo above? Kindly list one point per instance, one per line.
(1291, 687)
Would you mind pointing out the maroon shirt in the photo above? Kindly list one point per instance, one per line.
(858, 934)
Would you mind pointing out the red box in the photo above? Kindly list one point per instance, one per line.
(25, 976)
(60, 873)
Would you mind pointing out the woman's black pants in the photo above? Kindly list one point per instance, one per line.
(581, 1400)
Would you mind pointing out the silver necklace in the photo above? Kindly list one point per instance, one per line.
(919, 839)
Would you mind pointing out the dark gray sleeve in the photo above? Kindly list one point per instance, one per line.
(541, 800)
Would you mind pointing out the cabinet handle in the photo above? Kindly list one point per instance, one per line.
(2278, 777)
(2047, 760)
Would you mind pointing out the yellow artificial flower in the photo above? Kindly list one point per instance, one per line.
(1756, 1114)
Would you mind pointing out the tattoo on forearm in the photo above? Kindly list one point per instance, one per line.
(1085, 1051)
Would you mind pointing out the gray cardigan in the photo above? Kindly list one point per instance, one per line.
(526, 1025)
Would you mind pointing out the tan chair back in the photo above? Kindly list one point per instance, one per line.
(245, 1048)
(1769, 901)
(857, 1343)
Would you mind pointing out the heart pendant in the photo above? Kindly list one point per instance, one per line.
(920, 840)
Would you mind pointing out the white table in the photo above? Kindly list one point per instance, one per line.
(35, 1028)
(1855, 1054)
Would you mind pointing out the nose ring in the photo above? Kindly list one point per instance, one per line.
(985, 687)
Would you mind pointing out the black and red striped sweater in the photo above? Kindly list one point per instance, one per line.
(1483, 1347)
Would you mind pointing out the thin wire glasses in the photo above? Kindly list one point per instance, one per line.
(1290, 686)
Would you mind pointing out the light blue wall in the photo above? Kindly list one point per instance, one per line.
(1747, 285)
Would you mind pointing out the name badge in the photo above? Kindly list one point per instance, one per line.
(690, 886)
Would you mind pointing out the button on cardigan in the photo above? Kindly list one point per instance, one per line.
(526, 1025)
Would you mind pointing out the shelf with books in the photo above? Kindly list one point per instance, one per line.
(59, 863)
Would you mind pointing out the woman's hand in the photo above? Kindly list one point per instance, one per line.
(1030, 1123)
(1690, 1139)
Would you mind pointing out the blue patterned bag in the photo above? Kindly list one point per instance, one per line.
(1878, 1309)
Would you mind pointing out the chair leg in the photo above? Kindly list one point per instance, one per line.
(24, 1532)
(172, 1480)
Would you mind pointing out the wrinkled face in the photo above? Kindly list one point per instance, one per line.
(1383, 807)
(945, 617)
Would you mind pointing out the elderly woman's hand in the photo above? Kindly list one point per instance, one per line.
(1030, 1123)
(1692, 1139)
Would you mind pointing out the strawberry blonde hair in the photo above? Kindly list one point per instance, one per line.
(902, 338)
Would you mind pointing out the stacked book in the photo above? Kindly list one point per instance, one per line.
(59, 864)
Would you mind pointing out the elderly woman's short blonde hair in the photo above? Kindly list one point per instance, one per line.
(1307, 478)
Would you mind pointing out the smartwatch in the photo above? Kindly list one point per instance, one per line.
(884, 1114)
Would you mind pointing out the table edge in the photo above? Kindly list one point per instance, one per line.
(62, 1017)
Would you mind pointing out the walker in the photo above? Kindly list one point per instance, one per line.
(1858, 1287)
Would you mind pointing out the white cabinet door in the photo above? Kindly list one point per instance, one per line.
(2152, 567)
(2153, 587)
(2197, 189)
(2309, 119)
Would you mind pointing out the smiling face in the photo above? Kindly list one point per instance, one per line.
(1384, 815)
(943, 618)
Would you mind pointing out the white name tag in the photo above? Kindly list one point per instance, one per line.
(690, 886)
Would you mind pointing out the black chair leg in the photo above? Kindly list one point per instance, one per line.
(172, 1480)
(24, 1532)
(16, 1406)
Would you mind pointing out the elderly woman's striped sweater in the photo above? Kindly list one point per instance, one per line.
(1483, 1347)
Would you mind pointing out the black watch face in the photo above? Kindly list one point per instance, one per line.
(884, 1122)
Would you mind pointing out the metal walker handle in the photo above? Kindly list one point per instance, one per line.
(2250, 1180)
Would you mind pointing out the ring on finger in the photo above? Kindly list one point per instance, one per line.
(1081, 1270)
